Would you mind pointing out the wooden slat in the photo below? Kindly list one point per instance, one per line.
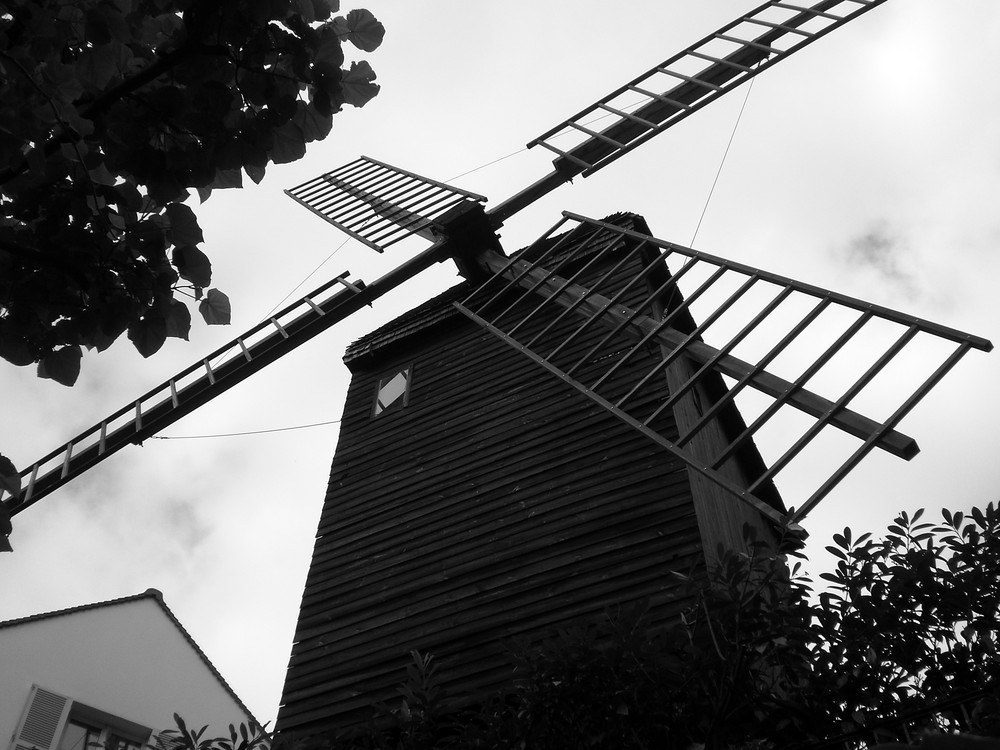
(465, 552)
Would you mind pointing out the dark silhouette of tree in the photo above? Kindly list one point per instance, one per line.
(111, 111)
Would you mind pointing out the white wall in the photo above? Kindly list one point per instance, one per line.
(127, 659)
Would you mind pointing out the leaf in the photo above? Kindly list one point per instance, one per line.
(101, 65)
(10, 482)
(14, 347)
(307, 11)
(193, 265)
(101, 176)
(255, 85)
(227, 178)
(289, 144)
(215, 308)
(339, 25)
(364, 30)
(178, 320)
(96, 28)
(315, 126)
(254, 172)
(63, 84)
(328, 53)
(184, 229)
(61, 365)
(129, 196)
(356, 84)
(148, 334)
(325, 8)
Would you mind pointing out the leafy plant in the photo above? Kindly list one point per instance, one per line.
(110, 112)
(909, 618)
(747, 641)
(183, 738)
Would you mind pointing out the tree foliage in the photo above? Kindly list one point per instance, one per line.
(758, 659)
(111, 111)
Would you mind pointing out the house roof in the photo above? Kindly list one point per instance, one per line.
(156, 596)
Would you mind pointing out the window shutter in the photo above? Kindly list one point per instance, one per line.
(165, 739)
(42, 720)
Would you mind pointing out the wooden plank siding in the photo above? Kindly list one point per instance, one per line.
(499, 502)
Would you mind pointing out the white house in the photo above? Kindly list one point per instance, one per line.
(112, 673)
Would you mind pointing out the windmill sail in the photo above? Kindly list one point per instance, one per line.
(679, 86)
(209, 377)
(816, 333)
(380, 205)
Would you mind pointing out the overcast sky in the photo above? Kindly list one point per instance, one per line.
(868, 163)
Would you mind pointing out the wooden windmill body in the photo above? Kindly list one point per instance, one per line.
(552, 437)
(475, 499)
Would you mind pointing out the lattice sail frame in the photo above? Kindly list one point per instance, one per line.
(189, 389)
(686, 82)
(379, 204)
(539, 303)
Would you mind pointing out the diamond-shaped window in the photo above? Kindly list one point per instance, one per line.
(393, 391)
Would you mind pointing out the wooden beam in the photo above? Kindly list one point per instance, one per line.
(638, 327)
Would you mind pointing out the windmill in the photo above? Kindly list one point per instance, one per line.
(459, 222)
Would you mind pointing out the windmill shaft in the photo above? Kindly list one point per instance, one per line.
(640, 327)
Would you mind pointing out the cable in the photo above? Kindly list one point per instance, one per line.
(236, 434)
(521, 151)
(487, 164)
(723, 162)
(309, 276)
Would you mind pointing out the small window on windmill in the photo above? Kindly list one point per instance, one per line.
(393, 391)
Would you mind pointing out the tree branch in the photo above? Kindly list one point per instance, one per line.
(105, 100)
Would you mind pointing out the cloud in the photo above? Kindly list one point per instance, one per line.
(185, 526)
(886, 256)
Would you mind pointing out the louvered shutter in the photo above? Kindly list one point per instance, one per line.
(42, 720)
(165, 739)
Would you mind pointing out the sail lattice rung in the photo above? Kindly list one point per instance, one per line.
(190, 388)
(379, 204)
(708, 357)
(668, 92)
